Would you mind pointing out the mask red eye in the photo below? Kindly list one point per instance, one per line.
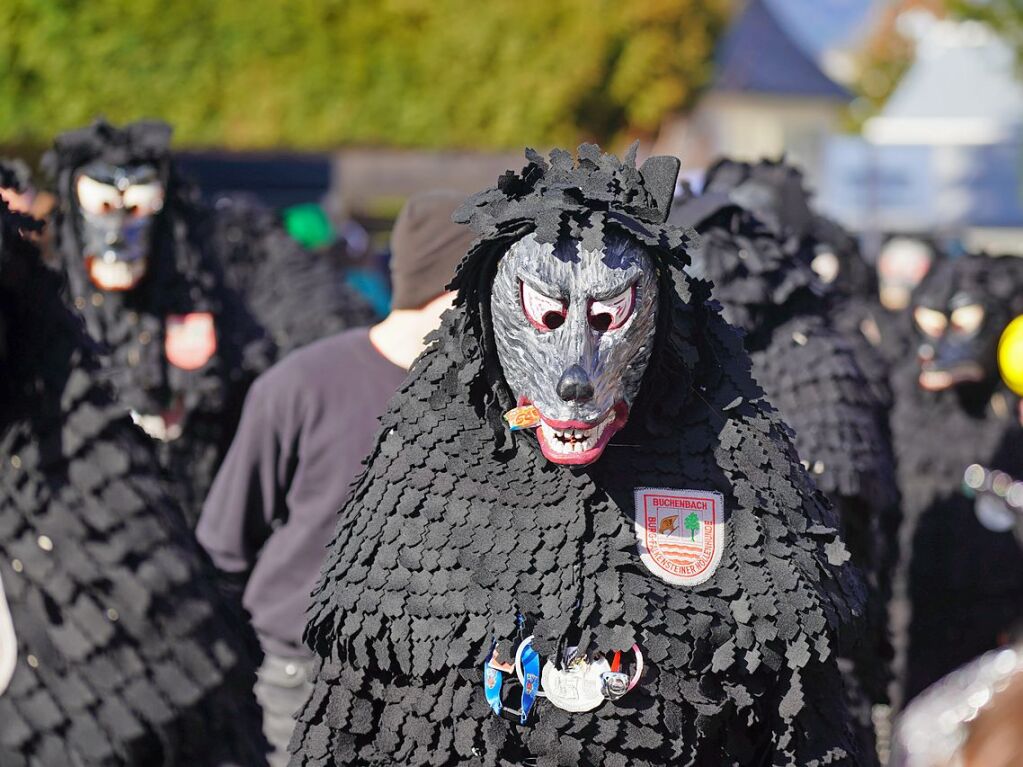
(612, 313)
(543, 312)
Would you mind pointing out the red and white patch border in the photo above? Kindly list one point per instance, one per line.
(649, 541)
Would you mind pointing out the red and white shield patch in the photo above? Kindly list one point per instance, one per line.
(680, 533)
(191, 339)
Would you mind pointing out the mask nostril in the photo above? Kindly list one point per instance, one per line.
(575, 385)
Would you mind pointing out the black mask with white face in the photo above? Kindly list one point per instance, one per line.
(574, 329)
(116, 206)
(959, 313)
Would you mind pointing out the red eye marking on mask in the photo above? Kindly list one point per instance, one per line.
(612, 313)
(543, 312)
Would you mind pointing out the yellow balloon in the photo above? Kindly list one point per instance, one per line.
(1010, 355)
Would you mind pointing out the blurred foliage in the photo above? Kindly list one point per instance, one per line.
(1004, 16)
(884, 57)
(318, 73)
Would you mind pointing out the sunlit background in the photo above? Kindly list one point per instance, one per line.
(905, 114)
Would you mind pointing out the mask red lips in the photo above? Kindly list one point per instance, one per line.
(577, 443)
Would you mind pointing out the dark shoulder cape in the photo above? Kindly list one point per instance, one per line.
(184, 277)
(455, 528)
(298, 296)
(125, 656)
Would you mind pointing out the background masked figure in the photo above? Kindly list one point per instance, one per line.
(774, 191)
(960, 586)
(775, 194)
(810, 372)
(124, 654)
(180, 348)
(657, 510)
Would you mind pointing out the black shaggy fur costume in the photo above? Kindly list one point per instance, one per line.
(456, 527)
(811, 373)
(960, 587)
(184, 276)
(298, 296)
(124, 653)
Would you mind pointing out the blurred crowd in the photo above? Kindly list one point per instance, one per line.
(188, 391)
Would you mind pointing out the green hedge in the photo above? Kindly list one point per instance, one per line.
(321, 73)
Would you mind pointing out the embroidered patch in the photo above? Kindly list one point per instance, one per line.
(680, 533)
(191, 340)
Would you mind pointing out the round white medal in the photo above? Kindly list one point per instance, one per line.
(576, 688)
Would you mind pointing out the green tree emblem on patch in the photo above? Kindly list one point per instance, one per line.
(692, 524)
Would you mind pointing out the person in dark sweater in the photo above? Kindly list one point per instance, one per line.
(306, 426)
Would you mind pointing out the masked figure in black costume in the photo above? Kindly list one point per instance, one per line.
(775, 193)
(124, 654)
(960, 586)
(648, 578)
(181, 349)
(810, 372)
(296, 295)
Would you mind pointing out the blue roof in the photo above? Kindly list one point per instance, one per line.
(819, 26)
(758, 55)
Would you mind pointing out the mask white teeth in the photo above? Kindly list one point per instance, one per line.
(116, 275)
(575, 440)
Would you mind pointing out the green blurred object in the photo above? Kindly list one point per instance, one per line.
(309, 225)
(317, 74)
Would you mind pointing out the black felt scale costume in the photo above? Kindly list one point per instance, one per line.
(124, 653)
(811, 373)
(960, 586)
(456, 527)
(298, 296)
(183, 278)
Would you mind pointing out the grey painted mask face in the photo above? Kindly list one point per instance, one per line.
(574, 331)
(116, 208)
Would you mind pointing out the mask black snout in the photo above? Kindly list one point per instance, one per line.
(951, 353)
(575, 385)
